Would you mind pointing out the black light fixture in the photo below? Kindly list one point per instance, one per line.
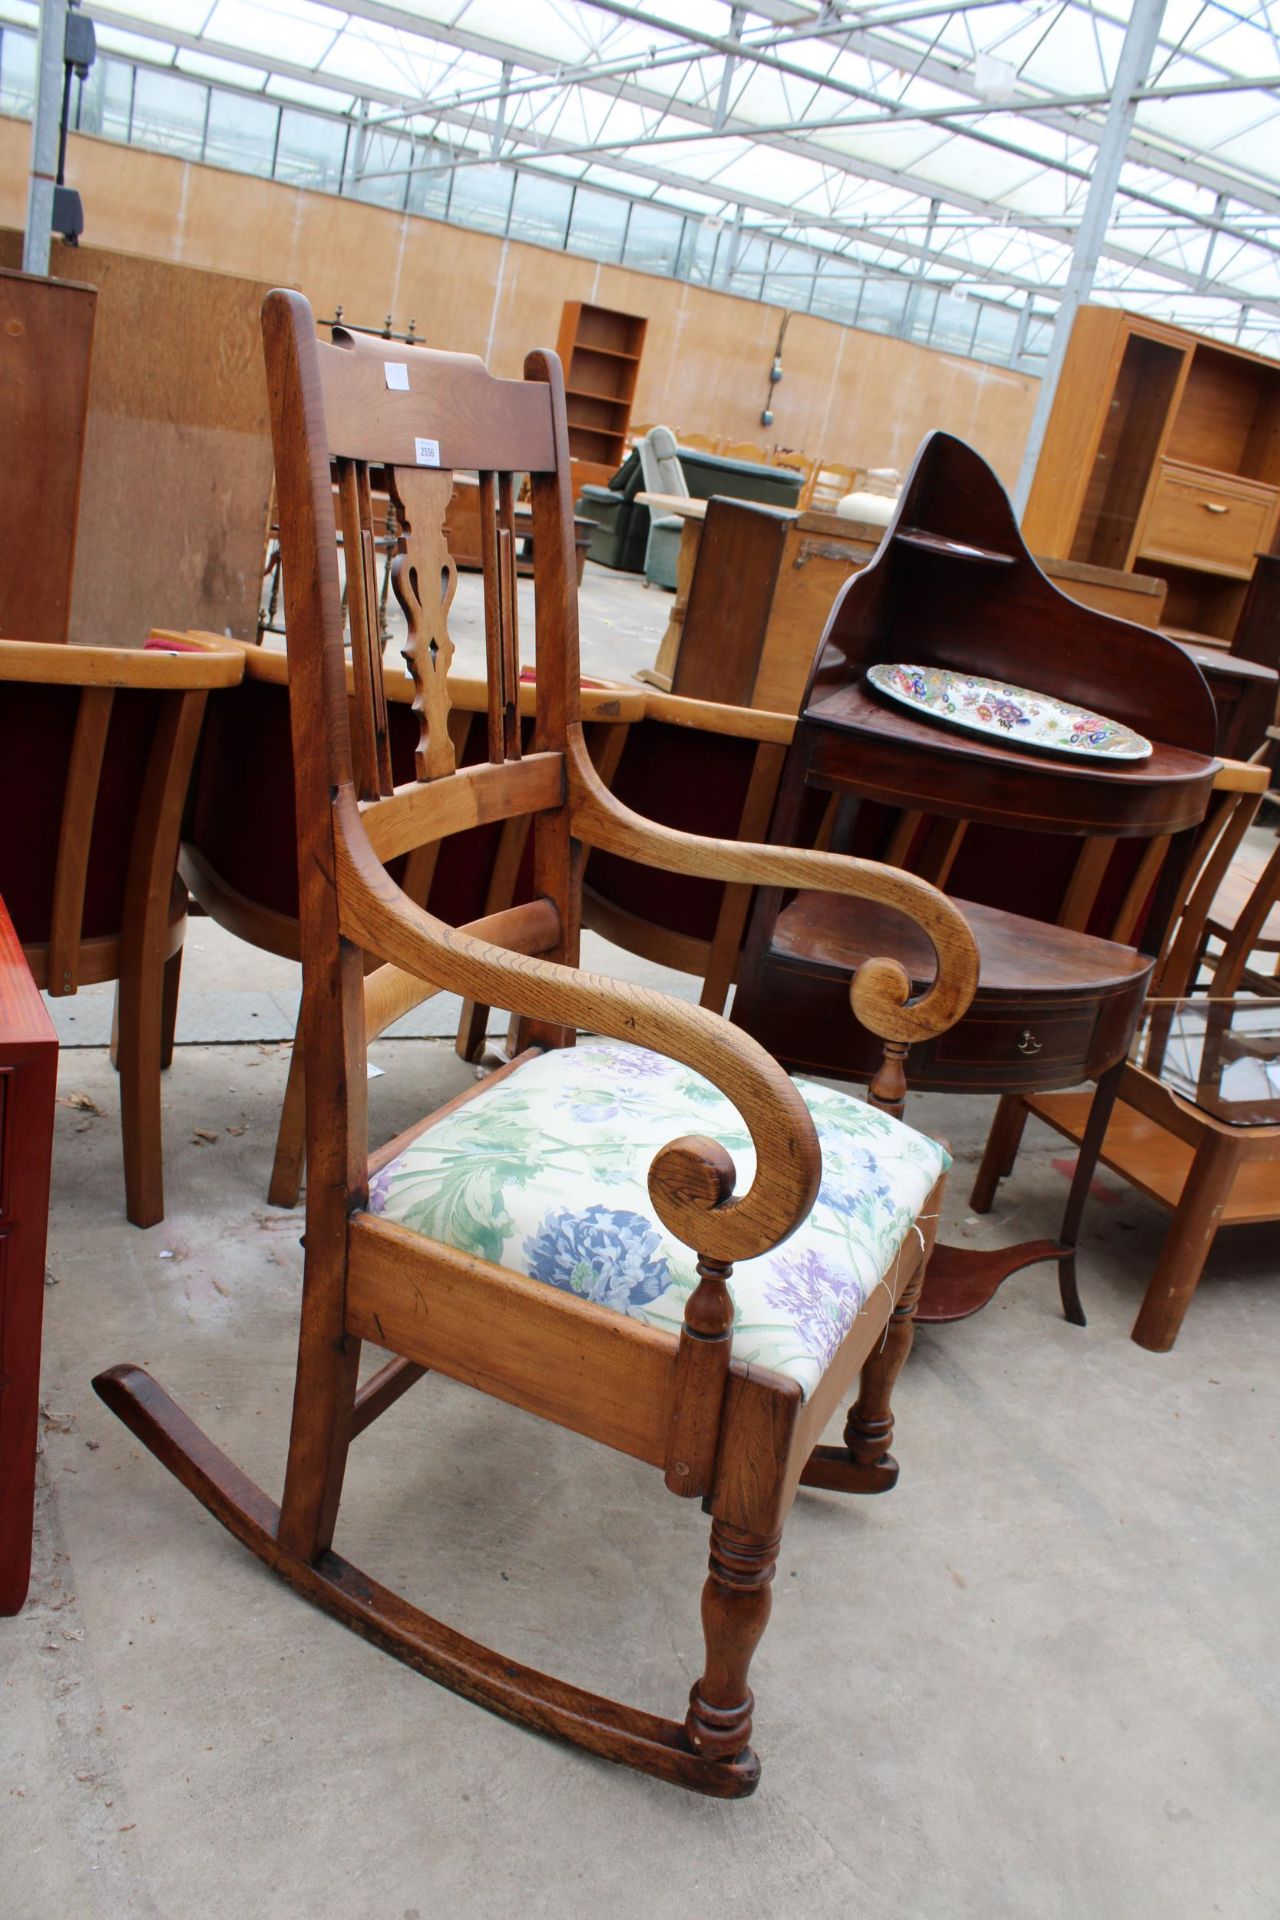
(775, 372)
(79, 50)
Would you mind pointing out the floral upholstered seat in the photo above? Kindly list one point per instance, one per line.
(516, 1176)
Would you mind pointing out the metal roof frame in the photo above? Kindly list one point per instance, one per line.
(891, 136)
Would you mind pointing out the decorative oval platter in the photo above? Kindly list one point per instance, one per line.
(1013, 715)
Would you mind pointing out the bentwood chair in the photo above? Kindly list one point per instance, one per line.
(96, 745)
(566, 1236)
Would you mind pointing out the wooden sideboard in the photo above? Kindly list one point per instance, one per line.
(462, 530)
(1162, 456)
(754, 586)
(28, 1082)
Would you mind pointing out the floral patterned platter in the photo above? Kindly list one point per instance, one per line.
(1013, 715)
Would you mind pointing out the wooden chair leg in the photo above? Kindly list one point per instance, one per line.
(864, 1463)
(736, 1602)
(868, 1432)
(152, 892)
(1001, 1151)
(291, 1138)
(1195, 1221)
(169, 1007)
(473, 1031)
(139, 1020)
(1095, 1133)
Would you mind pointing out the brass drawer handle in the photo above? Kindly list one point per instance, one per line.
(1027, 1042)
(1214, 506)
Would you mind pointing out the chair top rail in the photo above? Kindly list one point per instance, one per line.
(453, 413)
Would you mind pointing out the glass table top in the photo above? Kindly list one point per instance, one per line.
(1222, 1056)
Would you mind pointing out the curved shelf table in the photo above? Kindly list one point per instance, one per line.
(1060, 990)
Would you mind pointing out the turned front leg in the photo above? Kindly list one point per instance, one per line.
(735, 1611)
(868, 1432)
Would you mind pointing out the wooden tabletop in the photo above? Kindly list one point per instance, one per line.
(1213, 659)
(894, 757)
(678, 503)
(836, 525)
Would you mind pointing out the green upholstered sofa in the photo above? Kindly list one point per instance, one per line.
(622, 526)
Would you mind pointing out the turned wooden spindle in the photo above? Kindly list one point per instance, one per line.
(888, 1090)
(868, 1431)
(698, 1172)
(736, 1602)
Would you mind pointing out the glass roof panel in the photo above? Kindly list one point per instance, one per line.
(842, 118)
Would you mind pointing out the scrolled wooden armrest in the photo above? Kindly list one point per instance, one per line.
(880, 990)
(376, 915)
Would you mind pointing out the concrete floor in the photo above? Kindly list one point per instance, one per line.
(1040, 1678)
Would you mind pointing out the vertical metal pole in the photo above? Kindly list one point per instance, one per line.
(362, 138)
(1132, 69)
(1020, 333)
(735, 245)
(500, 117)
(737, 15)
(922, 267)
(1219, 213)
(50, 44)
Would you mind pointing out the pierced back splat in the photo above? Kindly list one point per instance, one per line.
(424, 579)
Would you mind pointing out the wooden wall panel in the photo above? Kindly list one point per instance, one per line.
(46, 339)
(860, 398)
(177, 469)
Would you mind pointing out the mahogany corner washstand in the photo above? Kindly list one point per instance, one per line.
(28, 1081)
(1069, 868)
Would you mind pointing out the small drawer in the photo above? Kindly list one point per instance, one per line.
(1207, 521)
(1010, 1040)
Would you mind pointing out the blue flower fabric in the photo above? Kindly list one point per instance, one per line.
(546, 1173)
(603, 1253)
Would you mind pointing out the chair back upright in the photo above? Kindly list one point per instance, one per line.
(1238, 790)
(660, 463)
(828, 484)
(364, 412)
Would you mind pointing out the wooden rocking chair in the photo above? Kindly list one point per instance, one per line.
(636, 1342)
